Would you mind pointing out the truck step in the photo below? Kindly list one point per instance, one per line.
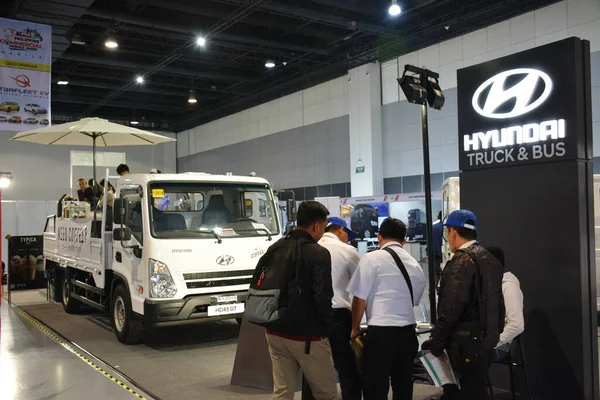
(85, 286)
(89, 302)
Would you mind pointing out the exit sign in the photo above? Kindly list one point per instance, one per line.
(360, 170)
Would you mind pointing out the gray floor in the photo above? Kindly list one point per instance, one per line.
(35, 367)
(172, 363)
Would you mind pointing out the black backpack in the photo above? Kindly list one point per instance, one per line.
(273, 299)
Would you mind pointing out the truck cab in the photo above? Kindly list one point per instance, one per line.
(182, 248)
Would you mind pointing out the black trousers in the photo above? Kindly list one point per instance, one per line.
(389, 354)
(473, 381)
(343, 357)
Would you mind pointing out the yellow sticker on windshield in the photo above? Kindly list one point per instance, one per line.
(158, 193)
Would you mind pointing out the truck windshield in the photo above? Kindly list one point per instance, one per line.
(201, 210)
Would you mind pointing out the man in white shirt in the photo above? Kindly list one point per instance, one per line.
(514, 322)
(344, 261)
(380, 287)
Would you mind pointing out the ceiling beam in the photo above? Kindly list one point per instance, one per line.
(145, 89)
(109, 75)
(140, 67)
(194, 31)
(346, 5)
(253, 21)
(120, 104)
(306, 14)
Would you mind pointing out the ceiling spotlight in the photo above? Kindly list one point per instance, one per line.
(134, 122)
(62, 80)
(201, 41)
(447, 27)
(270, 64)
(284, 63)
(139, 79)
(395, 8)
(111, 42)
(192, 99)
(76, 39)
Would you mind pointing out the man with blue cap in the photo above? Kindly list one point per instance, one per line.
(344, 261)
(470, 309)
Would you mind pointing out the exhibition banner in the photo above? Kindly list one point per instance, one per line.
(25, 64)
(26, 262)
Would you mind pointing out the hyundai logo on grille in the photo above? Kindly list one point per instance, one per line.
(506, 96)
(225, 260)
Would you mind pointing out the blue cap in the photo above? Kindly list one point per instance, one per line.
(336, 221)
(462, 219)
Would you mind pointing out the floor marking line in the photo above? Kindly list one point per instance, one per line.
(66, 345)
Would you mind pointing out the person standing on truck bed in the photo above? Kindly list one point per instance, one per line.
(81, 191)
(299, 339)
(122, 170)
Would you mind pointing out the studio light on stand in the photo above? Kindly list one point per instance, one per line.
(421, 86)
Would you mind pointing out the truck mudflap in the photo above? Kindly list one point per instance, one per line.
(195, 308)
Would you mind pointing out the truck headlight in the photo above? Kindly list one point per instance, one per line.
(162, 285)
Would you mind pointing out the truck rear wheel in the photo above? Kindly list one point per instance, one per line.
(70, 304)
(127, 328)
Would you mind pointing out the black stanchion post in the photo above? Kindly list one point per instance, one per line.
(428, 211)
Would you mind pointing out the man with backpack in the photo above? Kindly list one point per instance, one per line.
(291, 296)
(470, 309)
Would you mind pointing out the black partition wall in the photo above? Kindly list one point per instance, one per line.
(526, 171)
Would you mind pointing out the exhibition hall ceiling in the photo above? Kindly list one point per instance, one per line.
(234, 54)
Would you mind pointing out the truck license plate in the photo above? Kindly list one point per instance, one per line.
(225, 309)
(227, 299)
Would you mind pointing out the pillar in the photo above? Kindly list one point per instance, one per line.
(366, 150)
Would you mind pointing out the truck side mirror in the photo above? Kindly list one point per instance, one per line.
(122, 234)
(291, 210)
(120, 212)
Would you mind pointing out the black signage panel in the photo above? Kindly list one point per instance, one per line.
(522, 108)
(525, 134)
(26, 262)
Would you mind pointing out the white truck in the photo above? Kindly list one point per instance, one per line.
(180, 248)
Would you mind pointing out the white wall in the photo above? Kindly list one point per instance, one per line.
(319, 103)
(401, 121)
(579, 18)
(42, 172)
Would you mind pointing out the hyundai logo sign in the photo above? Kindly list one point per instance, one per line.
(225, 260)
(498, 98)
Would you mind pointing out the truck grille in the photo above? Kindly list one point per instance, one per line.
(219, 283)
(221, 274)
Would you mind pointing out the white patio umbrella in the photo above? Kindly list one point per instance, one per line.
(91, 132)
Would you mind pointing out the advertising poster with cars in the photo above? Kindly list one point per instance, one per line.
(25, 63)
(26, 262)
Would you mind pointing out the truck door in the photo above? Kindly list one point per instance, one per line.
(128, 262)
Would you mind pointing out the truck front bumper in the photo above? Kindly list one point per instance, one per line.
(191, 309)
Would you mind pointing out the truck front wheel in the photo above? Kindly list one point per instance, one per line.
(127, 328)
(70, 304)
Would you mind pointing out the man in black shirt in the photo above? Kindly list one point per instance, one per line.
(470, 309)
(311, 317)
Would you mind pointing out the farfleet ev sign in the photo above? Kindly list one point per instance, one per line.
(519, 109)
